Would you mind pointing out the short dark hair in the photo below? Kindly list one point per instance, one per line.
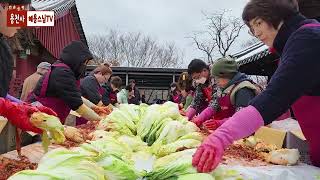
(271, 11)
(129, 88)
(116, 81)
(196, 66)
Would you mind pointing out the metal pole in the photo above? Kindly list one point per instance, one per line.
(127, 79)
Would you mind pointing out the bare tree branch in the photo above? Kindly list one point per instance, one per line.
(222, 32)
(206, 46)
(134, 50)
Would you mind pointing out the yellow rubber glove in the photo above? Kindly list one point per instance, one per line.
(88, 103)
(73, 134)
(88, 113)
(100, 104)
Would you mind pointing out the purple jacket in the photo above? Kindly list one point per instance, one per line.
(298, 71)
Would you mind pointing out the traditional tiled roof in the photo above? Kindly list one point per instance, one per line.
(60, 7)
(67, 26)
(251, 54)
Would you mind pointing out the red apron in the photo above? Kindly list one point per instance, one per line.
(307, 111)
(81, 120)
(207, 93)
(227, 108)
(56, 104)
(101, 90)
(113, 97)
(177, 99)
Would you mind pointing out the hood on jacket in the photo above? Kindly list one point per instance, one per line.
(74, 55)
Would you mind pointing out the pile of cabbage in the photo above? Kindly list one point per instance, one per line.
(133, 142)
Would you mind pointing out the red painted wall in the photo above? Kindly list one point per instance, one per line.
(26, 67)
(23, 69)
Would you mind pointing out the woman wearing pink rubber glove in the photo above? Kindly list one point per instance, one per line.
(296, 82)
(234, 91)
(200, 74)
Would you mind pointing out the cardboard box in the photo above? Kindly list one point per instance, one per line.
(290, 136)
(8, 138)
(271, 136)
(296, 140)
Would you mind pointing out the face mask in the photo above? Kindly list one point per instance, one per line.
(173, 88)
(202, 80)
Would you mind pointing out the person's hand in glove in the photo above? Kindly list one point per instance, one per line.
(87, 113)
(101, 111)
(13, 99)
(203, 116)
(213, 124)
(242, 124)
(73, 134)
(19, 114)
(180, 106)
(191, 112)
(182, 112)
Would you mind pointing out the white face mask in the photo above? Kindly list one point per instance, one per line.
(202, 80)
(173, 88)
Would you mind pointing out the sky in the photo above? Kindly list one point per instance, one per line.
(164, 20)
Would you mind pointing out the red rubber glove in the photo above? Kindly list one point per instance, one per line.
(182, 112)
(19, 114)
(213, 124)
(210, 125)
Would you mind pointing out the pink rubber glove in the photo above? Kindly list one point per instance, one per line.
(242, 124)
(191, 112)
(203, 116)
